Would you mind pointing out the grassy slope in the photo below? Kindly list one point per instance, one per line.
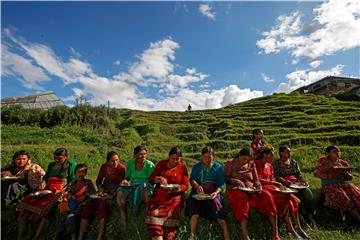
(306, 123)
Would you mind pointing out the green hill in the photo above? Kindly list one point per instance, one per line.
(307, 123)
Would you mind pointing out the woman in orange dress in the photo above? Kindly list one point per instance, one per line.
(340, 193)
(76, 195)
(165, 205)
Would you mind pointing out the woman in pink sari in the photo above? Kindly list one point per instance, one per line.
(335, 174)
(287, 204)
(241, 172)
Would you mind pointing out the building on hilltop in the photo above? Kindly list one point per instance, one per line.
(330, 85)
(44, 100)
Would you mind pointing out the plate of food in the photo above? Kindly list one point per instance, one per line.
(94, 196)
(342, 167)
(285, 190)
(201, 196)
(11, 178)
(250, 189)
(40, 193)
(133, 185)
(298, 185)
(170, 186)
(98, 195)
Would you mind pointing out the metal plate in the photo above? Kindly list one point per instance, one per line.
(170, 186)
(201, 197)
(8, 178)
(285, 191)
(249, 189)
(298, 186)
(40, 193)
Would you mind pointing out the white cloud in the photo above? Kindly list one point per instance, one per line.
(117, 63)
(155, 68)
(336, 27)
(205, 85)
(280, 36)
(78, 92)
(22, 68)
(206, 10)
(74, 53)
(315, 64)
(302, 78)
(191, 71)
(266, 79)
(47, 59)
(156, 60)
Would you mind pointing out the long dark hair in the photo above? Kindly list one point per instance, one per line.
(63, 172)
(61, 152)
(255, 131)
(208, 149)
(19, 153)
(81, 165)
(139, 149)
(330, 148)
(110, 154)
(175, 150)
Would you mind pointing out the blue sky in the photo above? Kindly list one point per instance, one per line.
(165, 55)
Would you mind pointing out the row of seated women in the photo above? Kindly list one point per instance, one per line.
(141, 181)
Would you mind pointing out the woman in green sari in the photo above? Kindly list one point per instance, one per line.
(135, 187)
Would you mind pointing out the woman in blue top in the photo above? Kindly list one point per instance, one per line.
(207, 177)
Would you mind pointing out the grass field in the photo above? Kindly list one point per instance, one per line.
(307, 123)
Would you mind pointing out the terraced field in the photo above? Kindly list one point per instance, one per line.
(306, 123)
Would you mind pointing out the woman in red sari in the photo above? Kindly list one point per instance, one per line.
(241, 172)
(335, 174)
(285, 203)
(164, 206)
(110, 175)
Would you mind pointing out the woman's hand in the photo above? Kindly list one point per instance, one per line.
(237, 182)
(286, 183)
(160, 180)
(199, 189)
(124, 181)
(278, 184)
(214, 194)
(303, 182)
(348, 175)
(175, 190)
(6, 174)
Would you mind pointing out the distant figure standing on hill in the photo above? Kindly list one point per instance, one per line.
(335, 174)
(189, 107)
